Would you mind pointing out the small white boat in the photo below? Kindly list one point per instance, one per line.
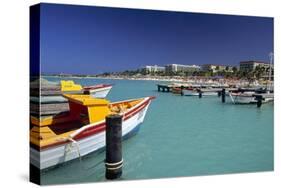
(195, 92)
(58, 139)
(51, 93)
(242, 98)
(249, 97)
(98, 91)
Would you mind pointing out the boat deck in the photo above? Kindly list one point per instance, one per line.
(61, 128)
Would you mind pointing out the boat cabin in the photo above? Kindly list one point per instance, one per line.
(69, 85)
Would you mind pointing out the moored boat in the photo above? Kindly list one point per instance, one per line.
(49, 95)
(57, 139)
(53, 93)
(195, 92)
(176, 90)
(249, 97)
(242, 98)
(98, 91)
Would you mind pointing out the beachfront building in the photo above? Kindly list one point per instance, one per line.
(247, 66)
(175, 68)
(153, 69)
(216, 68)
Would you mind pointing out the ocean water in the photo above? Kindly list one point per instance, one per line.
(181, 136)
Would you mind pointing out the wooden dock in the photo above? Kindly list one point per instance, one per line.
(42, 87)
(41, 109)
(170, 87)
(164, 87)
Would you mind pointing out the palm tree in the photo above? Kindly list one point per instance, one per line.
(217, 68)
(259, 72)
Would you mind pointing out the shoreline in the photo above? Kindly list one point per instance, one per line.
(236, 82)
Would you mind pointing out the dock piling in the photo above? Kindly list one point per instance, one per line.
(219, 93)
(182, 90)
(200, 93)
(259, 100)
(113, 161)
(163, 88)
(223, 95)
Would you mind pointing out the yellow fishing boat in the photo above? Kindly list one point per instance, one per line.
(64, 137)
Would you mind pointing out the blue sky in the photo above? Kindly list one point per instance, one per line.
(91, 40)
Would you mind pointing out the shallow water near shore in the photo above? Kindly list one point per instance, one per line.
(180, 136)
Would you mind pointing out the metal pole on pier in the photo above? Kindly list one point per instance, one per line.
(113, 160)
(259, 100)
(223, 95)
(270, 72)
(270, 65)
(200, 93)
(182, 90)
(219, 93)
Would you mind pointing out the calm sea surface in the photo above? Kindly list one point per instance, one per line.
(181, 136)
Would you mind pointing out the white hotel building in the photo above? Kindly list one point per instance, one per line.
(173, 68)
(153, 68)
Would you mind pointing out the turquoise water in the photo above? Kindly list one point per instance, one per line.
(181, 136)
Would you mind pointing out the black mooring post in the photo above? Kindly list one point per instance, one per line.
(158, 88)
(223, 95)
(259, 100)
(113, 160)
(200, 93)
(182, 90)
(219, 93)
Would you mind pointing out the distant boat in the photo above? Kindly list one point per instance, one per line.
(195, 92)
(46, 98)
(97, 91)
(57, 139)
(176, 90)
(51, 92)
(249, 97)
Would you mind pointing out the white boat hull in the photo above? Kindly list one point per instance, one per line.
(244, 99)
(59, 154)
(101, 92)
(195, 93)
(96, 93)
(249, 99)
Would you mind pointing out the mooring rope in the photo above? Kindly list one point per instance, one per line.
(77, 146)
(230, 94)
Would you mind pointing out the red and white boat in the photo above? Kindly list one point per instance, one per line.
(195, 92)
(55, 140)
(98, 91)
